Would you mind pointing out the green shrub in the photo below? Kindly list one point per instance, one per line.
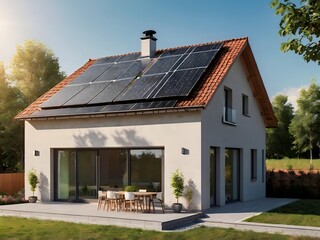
(130, 188)
(177, 184)
(33, 180)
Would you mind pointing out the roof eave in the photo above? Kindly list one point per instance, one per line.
(259, 91)
(120, 113)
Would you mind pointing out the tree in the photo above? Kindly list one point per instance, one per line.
(305, 126)
(35, 70)
(301, 23)
(279, 140)
(11, 132)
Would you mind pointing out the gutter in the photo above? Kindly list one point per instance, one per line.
(114, 114)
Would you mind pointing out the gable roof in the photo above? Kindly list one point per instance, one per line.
(200, 95)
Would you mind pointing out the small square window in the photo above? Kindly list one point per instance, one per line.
(245, 105)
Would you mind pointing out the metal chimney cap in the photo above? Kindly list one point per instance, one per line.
(149, 34)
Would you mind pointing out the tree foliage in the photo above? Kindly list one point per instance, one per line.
(11, 132)
(305, 126)
(279, 140)
(301, 23)
(35, 69)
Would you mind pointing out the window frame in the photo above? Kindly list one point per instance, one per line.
(245, 105)
(254, 163)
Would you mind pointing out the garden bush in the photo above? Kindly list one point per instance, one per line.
(291, 185)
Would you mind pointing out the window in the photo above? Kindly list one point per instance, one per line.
(253, 164)
(263, 166)
(245, 105)
(229, 114)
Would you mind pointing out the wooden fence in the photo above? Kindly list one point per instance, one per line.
(11, 182)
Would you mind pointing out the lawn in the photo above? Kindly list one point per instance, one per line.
(21, 228)
(300, 164)
(302, 212)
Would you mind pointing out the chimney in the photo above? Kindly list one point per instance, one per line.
(148, 44)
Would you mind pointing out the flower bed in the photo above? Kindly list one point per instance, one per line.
(8, 199)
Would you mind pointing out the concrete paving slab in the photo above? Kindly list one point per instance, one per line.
(88, 213)
(239, 211)
(233, 215)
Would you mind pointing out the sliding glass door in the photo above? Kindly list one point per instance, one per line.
(87, 174)
(65, 174)
(80, 173)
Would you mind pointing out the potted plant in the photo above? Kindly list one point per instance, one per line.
(130, 188)
(177, 184)
(33, 181)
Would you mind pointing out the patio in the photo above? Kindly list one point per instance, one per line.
(228, 216)
(87, 213)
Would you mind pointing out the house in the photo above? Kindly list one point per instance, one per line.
(136, 118)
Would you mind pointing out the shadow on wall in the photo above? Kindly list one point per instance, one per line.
(44, 187)
(130, 138)
(191, 194)
(90, 139)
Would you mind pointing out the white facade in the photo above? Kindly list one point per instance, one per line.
(195, 131)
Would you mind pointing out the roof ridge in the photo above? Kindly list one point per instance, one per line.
(177, 47)
(202, 44)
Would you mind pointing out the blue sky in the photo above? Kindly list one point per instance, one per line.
(77, 30)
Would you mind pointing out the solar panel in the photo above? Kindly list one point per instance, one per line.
(115, 79)
(180, 83)
(129, 57)
(199, 59)
(63, 96)
(117, 108)
(87, 94)
(91, 74)
(67, 111)
(178, 51)
(207, 47)
(163, 65)
(163, 104)
(111, 91)
(132, 71)
(141, 88)
(141, 105)
(114, 71)
(107, 60)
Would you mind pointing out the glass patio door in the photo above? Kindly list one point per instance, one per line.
(65, 175)
(86, 174)
(232, 174)
(75, 175)
(213, 177)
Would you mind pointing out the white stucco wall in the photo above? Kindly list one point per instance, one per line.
(249, 133)
(172, 131)
(196, 131)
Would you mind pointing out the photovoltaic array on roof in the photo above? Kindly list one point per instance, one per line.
(129, 82)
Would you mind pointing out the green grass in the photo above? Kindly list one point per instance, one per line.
(21, 228)
(302, 212)
(300, 164)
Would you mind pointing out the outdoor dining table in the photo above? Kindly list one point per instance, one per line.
(146, 196)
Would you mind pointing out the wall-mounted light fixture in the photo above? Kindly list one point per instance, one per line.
(36, 153)
(184, 151)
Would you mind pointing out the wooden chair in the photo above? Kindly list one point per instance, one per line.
(112, 201)
(141, 198)
(157, 199)
(130, 201)
(101, 198)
